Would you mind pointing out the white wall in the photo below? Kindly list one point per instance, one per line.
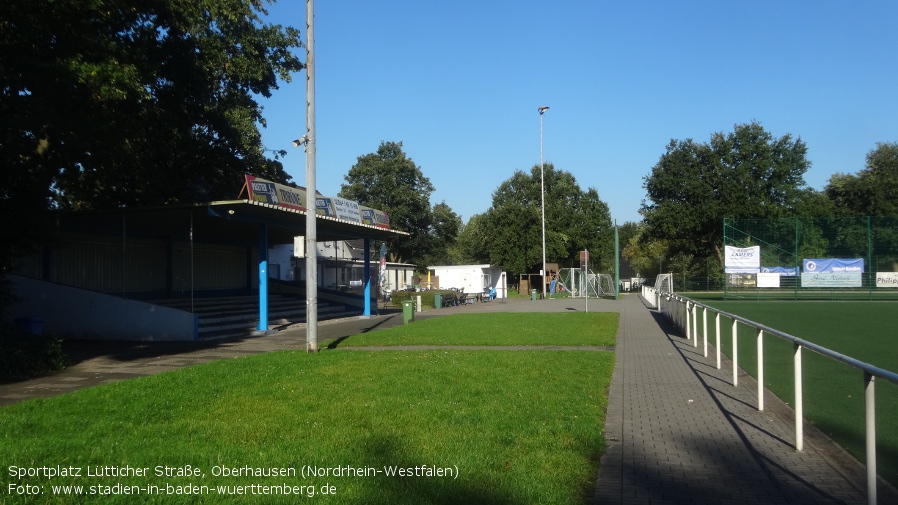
(470, 278)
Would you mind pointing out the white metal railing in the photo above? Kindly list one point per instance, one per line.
(683, 313)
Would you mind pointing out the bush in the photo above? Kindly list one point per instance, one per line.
(23, 355)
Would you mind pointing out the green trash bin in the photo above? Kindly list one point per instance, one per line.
(438, 300)
(533, 294)
(408, 311)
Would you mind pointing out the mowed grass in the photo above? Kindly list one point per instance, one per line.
(499, 329)
(521, 426)
(834, 392)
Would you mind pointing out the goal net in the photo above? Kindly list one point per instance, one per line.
(664, 283)
(582, 284)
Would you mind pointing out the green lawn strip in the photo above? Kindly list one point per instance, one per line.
(500, 329)
(833, 392)
(519, 426)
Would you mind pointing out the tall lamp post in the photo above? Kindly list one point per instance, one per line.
(542, 186)
(311, 221)
(308, 141)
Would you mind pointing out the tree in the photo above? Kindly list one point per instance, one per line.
(390, 181)
(444, 232)
(873, 191)
(471, 244)
(110, 103)
(574, 220)
(744, 174)
(119, 103)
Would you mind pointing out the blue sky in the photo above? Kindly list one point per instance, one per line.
(459, 82)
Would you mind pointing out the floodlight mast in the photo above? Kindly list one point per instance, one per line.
(542, 192)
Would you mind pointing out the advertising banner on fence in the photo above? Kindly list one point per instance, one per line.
(742, 280)
(780, 270)
(768, 280)
(887, 279)
(830, 280)
(833, 265)
(740, 260)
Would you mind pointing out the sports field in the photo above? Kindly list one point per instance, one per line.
(834, 392)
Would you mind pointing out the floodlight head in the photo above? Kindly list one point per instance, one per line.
(542, 109)
(300, 141)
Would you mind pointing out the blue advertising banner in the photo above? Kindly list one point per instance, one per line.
(833, 265)
(780, 270)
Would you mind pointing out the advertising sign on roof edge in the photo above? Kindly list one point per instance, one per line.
(272, 193)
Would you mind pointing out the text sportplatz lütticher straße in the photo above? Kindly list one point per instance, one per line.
(302, 481)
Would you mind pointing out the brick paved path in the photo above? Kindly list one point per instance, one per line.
(678, 432)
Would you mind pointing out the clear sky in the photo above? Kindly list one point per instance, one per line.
(459, 83)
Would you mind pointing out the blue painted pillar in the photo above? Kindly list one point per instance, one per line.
(263, 278)
(367, 278)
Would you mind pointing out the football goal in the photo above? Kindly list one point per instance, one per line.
(664, 283)
(581, 284)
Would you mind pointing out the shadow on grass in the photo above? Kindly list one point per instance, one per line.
(336, 343)
(383, 451)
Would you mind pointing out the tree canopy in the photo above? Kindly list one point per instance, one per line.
(510, 232)
(109, 103)
(390, 181)
(873, 191)
(747, 173)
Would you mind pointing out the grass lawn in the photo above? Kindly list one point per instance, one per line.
(573, 329)
(834, 393)
(508, 427)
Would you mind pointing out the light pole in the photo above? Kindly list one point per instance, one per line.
(542, 192)
(311, 207)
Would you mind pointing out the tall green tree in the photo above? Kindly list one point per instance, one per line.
(444, 232)
(113, 103)
(471, 245)
(575, 220)
(110, 103)
(873, 191)
(746, 173)
(391, 181)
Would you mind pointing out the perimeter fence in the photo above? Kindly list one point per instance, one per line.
(813, 258)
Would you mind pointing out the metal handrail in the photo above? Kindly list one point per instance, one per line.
(870, 372)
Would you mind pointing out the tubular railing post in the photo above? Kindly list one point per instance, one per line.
(760, 369)
(717, 336)
(799, 401)
(735, 354)
(870, 417)
(705, 328)
(694, 325)
(688, 333)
